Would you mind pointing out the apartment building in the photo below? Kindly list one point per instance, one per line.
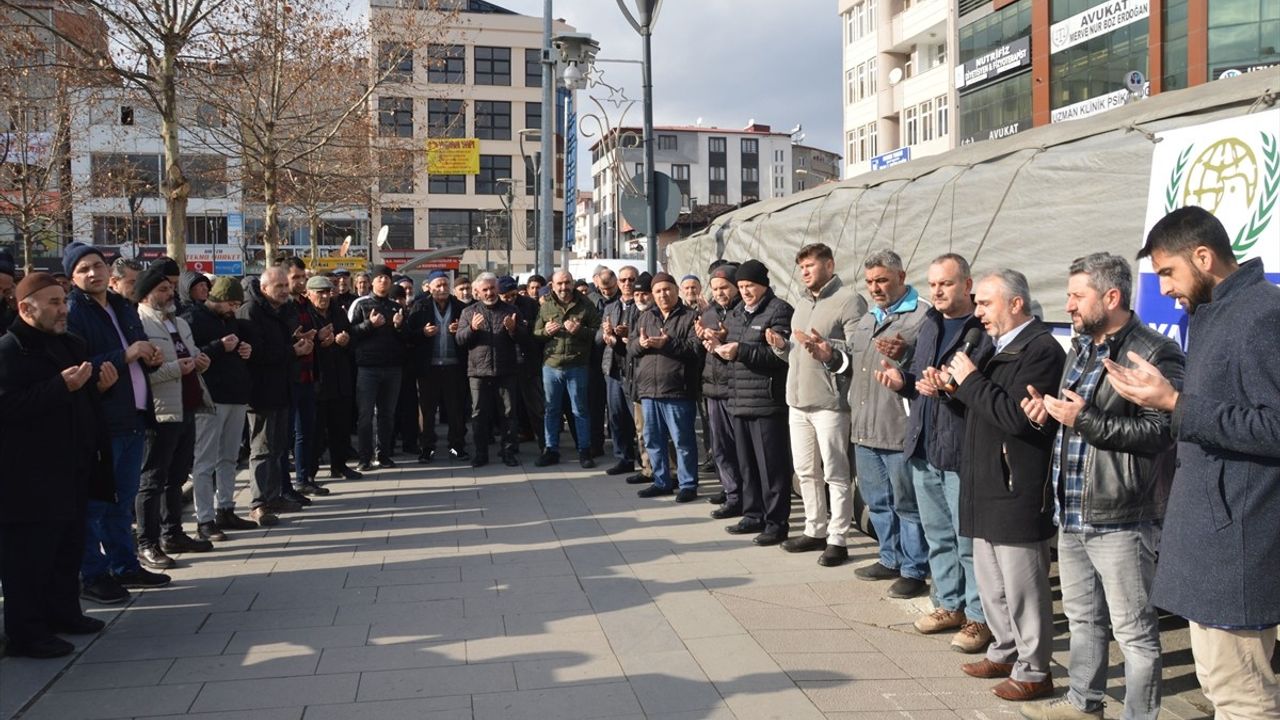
(481, 80)
(711, 166)
(811, 167)
(897, 88)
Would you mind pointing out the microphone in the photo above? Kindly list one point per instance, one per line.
(971, 340)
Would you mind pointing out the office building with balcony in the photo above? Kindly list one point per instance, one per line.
(897, 88)
(481, 79)
(811, 167)
(711, 165)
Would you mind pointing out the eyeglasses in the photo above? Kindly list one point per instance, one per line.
(626, 279)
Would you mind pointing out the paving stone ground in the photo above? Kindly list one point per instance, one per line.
(434, 592)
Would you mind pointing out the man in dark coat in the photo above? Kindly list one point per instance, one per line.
(758, 403)
(378, 343)
(489, 330)
(528, 363)
(717, 390)
(335, 396)
(1220, 552)
(615, 318)
(441, 366)
(56, 453)
(1004, 492)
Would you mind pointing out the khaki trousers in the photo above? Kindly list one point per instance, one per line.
(1234, 669)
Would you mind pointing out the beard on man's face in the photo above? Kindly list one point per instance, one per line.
(1201, 291)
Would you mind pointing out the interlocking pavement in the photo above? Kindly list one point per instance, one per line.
(434, 592)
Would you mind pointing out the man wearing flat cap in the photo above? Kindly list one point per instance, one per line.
(56, 454)
(441, 366)
(335, 394)
(110, 325)
(376, 336)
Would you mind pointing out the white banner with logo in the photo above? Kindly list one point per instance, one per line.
(1230, 168)
(1097, 20)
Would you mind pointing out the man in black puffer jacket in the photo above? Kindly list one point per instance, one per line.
(717, 390)
(490, 331)
(758, 403)
(376, 321)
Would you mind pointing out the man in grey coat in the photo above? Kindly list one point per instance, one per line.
(1220, 553)
(818, 405)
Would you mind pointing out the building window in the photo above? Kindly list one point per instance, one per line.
(717, 172)
(207, 175)
(860, 21)
(680, 173)
(1001, 104)
(532, 67)
(206, 230)
(717, 199)
(1242, 32)
(446, 119)
(399, 222)
(750, 174)
(449, 228)
(910, 126)
(447, 64)
(872, 147)
(667, 142)
(926, 121)
(493, 120)
(1097, 66)
(1173, 14)
(750, 146)
(492, 169)
(871, 76)
(395, 117)
(118, 175)
(395, 62)
(395, 171)
(943, 121)
(716, 145)
(447, 184)
(117, 229)
(850, 88)
(126, 114)
(492, 65)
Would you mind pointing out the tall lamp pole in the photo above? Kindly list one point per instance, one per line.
(648, 15)
(546, 212)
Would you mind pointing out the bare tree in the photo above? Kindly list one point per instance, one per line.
(294, 85)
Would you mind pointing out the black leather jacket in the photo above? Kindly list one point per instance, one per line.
(1129, 459)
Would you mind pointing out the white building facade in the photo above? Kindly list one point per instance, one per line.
(898, 89)
(711, 166)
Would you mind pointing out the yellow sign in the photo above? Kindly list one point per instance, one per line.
(329, 264)
(459, 156)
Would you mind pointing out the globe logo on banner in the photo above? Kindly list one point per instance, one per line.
(1230, 168)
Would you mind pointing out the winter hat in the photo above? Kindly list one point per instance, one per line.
(506, 284)
(644, 283)
(168, 265)
(226, 289)
(377, 270)
(435, 274)
(754, 271)
(726, 271)
(661, 278)
(148, 280)
(34, 283)
(75, 252)
(690, 276)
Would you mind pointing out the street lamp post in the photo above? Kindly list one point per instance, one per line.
(648, 11)
(546, 245)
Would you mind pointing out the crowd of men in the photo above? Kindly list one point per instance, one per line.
(974, 437)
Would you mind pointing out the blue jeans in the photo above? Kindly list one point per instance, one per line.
(109, 542)
(1106, 586)
(621, 421)
(673, 420)
(885, 485)
(555, 381)
(950, 554)
(304, 432)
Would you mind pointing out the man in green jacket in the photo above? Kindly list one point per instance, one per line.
(567, 323)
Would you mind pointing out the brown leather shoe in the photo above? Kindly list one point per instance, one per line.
(987, 670)
(1018, 691)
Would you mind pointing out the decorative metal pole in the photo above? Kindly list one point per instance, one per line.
(648, 10)
(546, 211)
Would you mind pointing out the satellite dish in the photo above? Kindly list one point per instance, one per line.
(698, 122)
(895, 76)
(383, 232)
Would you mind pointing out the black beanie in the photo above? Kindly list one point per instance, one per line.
(644, 283)
(753, 271)
(726, 271)
(148, 280)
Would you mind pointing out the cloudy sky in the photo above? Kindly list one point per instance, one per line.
(725, 61)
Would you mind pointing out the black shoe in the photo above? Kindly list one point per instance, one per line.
(510, 460)
(184, 543)
(367, 467)
(622, 467)
(479, 461)
(725, 512)
(587, 463)
(745, 527)
(426, 456)
(295, 497)
(654, 491)
(411, 449)
(210, 531)
(83, 625)
(804, 543)
(345, 473)
(834, 555)
(153, 558)
(460, 454)
(718, 499)
(905, 587)
(770, 537)
(875, 571)
(385, 461)
(140, 579)
(639, 479)
(708, 468)
(228, 520)
(548, 457)
(310, 488)
(283, 505)
(106, 590)
(43, 649)
(687, 495)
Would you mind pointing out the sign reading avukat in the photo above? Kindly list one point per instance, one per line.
(1230, 168)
